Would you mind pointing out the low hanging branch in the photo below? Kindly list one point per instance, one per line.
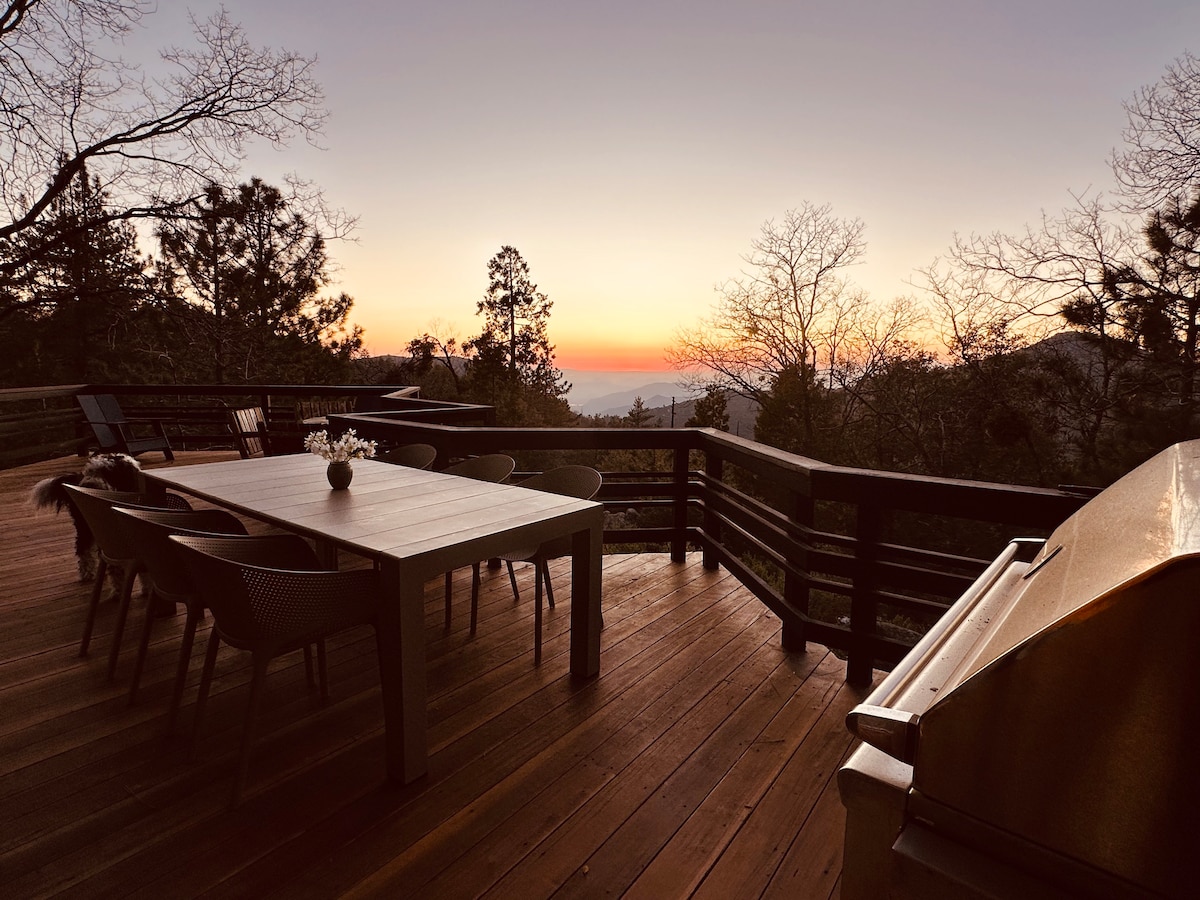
(68, 101)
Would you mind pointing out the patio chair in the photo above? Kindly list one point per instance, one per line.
(270, 606)
(116, 551)
(571, 481)
(249, 427)
(491, 467)
(415, 456)
(148, 531)
(114, 433)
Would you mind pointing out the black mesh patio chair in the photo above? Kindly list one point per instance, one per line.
(149, 531)
(114, 433)
(491, 467)
(268, 606)
(415, 456)
(571, 481)
(116, 551)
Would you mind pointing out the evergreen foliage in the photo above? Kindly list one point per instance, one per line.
(75, 314)
(235, 298)
(710, 411)
(249, 269)
(511, 363)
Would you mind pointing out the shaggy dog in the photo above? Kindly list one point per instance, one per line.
(106, 471)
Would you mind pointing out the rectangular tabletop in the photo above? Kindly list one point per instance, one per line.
(415, 525)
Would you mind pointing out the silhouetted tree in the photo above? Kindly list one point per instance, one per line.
(251, 268)
(1160, 160)
(74, 314)
(781, 328)
(435, 363)
(69, 99)
(512, 361)
(710, 411)
(639, 416)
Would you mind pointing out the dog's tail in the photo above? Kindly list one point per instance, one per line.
(49, 491)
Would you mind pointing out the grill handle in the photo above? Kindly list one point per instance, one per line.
(894, 731)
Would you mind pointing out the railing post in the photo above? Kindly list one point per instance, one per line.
(861, 664)
(679, 532)
(795, 587)
(714, 469)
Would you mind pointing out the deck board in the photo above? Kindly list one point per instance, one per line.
(700, 763)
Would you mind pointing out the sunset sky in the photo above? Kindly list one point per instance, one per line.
(631, 150)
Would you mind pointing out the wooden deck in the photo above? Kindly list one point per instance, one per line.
(701, 762)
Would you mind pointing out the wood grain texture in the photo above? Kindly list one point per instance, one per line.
(701, 761)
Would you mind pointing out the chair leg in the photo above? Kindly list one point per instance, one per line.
(308, 665)
(545, 564)
(143, 647)
(124, 600)
(475, 584)
(185, 660)
(243, 767)
(512, 577)
(210, 662)
(449, 591)
(93, 606)
(537, 616)
(322, 671)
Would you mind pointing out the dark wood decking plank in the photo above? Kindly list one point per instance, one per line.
(523, 749)
(518, 813)
(702, 750)
(683, 862)
(685, 721)
(755, 855)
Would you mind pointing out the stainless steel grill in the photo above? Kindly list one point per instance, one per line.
(1044, 739)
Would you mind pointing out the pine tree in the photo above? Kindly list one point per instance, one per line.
(711, 410)
(251, 269)
(512, 364)
(76, 309)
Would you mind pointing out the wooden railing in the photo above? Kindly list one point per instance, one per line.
(872, 549)
(859, 560)
(42, 422)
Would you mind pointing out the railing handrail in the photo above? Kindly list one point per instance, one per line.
(915, 493)
(767, 536)
(783, 535)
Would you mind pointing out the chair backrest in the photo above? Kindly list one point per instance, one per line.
(236, 579)
(96, 507)
(249, 427)
(415, 456)
(570, 481)
(104, 415)
(149, 530)
(323, 406)
(493, 467)
(582, 482)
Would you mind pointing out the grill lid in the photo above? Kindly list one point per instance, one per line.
(1141, 524)
(1072, 727)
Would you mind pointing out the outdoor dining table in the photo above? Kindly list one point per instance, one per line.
(415, 525)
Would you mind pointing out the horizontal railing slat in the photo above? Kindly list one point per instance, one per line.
(748, 506)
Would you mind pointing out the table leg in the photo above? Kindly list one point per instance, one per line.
(586, 555)
(401, 641)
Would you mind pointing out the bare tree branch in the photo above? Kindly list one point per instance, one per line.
(792, 308)
(68, 100)
(1161, 159)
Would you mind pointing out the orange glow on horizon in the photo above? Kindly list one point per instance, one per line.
(612, 359)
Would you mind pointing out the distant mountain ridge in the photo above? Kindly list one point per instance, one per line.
(658, 393)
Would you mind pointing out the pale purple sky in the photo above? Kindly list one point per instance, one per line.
(632, 149)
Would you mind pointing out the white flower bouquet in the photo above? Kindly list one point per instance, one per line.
(349, 446)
